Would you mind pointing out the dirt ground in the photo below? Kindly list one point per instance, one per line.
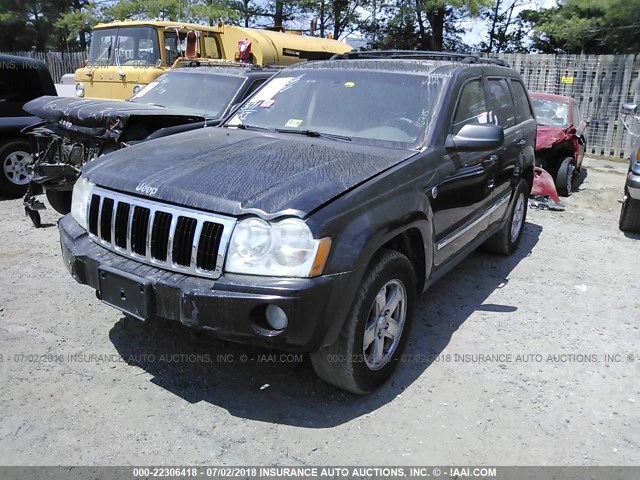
(528, 360)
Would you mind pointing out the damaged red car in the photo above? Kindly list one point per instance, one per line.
(561, 140)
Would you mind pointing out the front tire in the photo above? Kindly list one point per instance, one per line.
(374, 335)
(564, 178)
(507, 239)
(630, 215)
(14, 157)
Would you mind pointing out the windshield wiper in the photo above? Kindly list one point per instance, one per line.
(244, 126)
(313, 133)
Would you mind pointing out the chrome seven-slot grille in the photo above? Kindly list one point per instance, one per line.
(173, 238)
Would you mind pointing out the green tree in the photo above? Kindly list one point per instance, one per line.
(507, 31)
(434, 15)
(29, 24)
(587, 26)
(421, 24)
(335, 18)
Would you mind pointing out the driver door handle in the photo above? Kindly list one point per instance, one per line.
(521, 143)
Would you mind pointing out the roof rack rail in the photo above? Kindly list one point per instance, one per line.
(420, 54)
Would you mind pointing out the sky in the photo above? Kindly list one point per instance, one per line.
(476, 30)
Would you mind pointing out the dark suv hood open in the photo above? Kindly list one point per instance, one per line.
(102, 115)
(239, 171)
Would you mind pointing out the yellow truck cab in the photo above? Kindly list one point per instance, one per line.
(125, 56)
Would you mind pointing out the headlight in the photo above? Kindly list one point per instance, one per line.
(282, 249)
(136, 89)
(80, 201)
(79, 89)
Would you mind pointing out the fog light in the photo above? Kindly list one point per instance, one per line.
(276, 318)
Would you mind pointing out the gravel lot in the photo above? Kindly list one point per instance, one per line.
(79, 384)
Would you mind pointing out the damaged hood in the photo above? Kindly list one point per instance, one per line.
(102, 116)
(547, 137)
(240, 171)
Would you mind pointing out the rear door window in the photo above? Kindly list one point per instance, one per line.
(523, 107)
(503, 112)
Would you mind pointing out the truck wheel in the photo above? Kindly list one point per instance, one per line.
(506, 240)
(564, 178)
(60, 200)
(630, 215)
(14, 178)
(368, 348)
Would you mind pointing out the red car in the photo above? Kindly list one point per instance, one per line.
(561, 140)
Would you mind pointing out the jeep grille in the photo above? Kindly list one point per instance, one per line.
(169, 237)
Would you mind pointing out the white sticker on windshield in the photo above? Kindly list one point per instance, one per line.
(272, 88)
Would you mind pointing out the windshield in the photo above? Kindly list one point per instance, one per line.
(191, 92)
(124, 46)
(550, 113)
(102, 44)
(386, 108)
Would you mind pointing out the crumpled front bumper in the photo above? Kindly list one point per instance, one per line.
(232, 306)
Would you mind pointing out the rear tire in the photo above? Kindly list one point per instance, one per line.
(15, 155)
(507, 239)
(564, 178)
(630, 215)
(60, 200)
(374, 335)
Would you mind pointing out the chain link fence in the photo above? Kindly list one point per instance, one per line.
(599, 83)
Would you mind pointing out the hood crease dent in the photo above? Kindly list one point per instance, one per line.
(237, 172)
(102, 116)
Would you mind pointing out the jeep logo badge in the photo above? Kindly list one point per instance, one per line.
(146, 189)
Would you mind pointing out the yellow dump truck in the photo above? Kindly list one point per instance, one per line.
(125, 56)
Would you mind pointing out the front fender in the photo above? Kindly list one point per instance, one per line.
(365, 220)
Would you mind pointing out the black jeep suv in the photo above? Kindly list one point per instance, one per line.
(21, 79)
(311, 220)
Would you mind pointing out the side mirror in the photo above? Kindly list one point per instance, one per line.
(476, 137)
(628, 109)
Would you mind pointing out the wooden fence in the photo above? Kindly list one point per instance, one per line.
(600, 84)
(58, 63)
